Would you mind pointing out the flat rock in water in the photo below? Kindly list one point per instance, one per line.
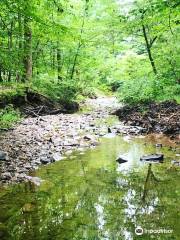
(121, 160)
(153, 157)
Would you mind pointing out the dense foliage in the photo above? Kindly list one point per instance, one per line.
(150, 69)
(64, 48)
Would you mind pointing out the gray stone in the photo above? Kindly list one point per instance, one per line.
(27, 166)
(175, 163)
(6, 176)
(153, 157)
(159, 145)
(3, 156)
(45, 160)
(56, 157)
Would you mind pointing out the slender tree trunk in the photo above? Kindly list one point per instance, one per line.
(59, 61)
(79, 43)
(10, 45)
(1, 79)
(75, 60)
(53, 57)
(27, 50)
(148, 47)
(20, 46)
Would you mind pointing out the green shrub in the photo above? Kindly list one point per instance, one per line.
(64, 91)
(133, 91)
(146, 90)
(8, 117)
(115, 85)
(88, 91)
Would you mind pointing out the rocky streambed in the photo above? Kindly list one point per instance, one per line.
(46, 139)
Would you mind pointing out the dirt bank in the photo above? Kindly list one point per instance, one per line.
(155, 117)
(33, 104)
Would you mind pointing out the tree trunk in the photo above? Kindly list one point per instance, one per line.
(27, 50)
(1, 79)
(20, 46)
(10, 45)
(59, 61)
(148, 47)
(80, 39)
(75, 60)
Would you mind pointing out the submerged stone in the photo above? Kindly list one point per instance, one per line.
(153, 157)
(121, 160)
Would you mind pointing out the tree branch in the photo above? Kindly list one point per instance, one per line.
(152, 41)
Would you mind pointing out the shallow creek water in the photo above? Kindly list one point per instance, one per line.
(91, 196)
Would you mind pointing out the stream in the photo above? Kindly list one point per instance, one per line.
(90, 196)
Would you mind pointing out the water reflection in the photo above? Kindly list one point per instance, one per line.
(93, 197)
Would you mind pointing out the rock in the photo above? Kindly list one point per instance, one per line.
(121, 160)
(88, 137)
(109, 130)
(6, 176)
(35, 180)
(45, 160)
(3, 156)
(56, 157)
(21, 176)
(159, 145)
(153, 157)
(175, 163)
(27, 166)
(22, 170)
(68, 152)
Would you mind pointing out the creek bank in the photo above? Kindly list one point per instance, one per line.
(42, 140)
(46, 139)
(153, 118)
(33, 104)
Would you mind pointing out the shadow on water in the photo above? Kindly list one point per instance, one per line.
(93, 197)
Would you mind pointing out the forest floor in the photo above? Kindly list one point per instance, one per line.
(46, 139)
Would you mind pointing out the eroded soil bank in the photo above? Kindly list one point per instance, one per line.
(33, 104)
(154, 118)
